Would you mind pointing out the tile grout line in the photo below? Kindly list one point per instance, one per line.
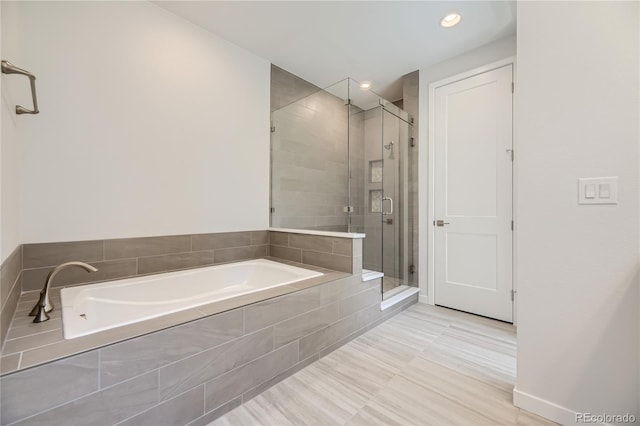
(76, 399)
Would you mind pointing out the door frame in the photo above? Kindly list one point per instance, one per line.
(426, 196)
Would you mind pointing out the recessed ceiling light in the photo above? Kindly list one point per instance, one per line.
(365, 85)
(450, 20)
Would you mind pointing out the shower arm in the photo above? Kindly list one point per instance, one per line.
(9, 68)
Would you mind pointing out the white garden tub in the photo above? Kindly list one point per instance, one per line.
(96, 307)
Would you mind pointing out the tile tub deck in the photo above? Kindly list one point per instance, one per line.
(30, 344)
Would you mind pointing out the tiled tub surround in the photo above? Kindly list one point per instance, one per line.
(10, 289)
(338, 254)
(31, 344)
(195, 372)
(128, 257)
(92, 308)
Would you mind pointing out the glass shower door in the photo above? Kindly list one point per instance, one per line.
(395, 241)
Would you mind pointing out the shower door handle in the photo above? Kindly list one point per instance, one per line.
(390, 205)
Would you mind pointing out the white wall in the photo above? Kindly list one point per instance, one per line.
(577, 116)
(10, 146)
(489, 53)
(149, 125)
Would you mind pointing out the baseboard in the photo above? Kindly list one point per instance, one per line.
(544, 408)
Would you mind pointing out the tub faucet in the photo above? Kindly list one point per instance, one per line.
(44, 306)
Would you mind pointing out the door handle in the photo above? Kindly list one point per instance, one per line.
(390, 205)
(441, 223)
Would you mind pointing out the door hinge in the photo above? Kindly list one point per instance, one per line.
(513, 87)
(513, 295)
(272, 210)
(273, 128)
(348, 209)
(412, 269)
(510, 152)
(412, 141)
(512, 225)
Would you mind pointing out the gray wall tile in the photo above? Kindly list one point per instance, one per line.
(342, 288)
(253, 392)
(106, 407)
(53, 254)
(360, 301)
(28, 392)
(342, 246)
(34, 279)
(234, 383)
(326, 351)
(9, 273)
(309, 153)
(218, 412)
(31, 341)
(33, 328)
(311, 242)
(8, 310)
(286, 253)
(297, 327)
(177, 411)
(22, 319)
(9, 363)
(326, 337)
(326, 260)
(221, 240)
(123, 360)
(171, 262)
(263, 314)
(259, 237)
(279, 238)
(287, 88)
(239, 253)
(182, 375)
(148, 246)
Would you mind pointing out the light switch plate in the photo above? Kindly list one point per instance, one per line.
(599, 190)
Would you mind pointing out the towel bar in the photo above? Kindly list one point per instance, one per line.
(9, 68)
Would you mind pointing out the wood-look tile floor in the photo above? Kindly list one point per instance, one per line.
(425, 366)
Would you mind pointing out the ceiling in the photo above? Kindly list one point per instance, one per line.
(327, 41)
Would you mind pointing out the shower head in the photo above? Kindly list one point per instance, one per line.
(389, 147)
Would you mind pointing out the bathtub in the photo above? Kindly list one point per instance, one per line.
(97, 307)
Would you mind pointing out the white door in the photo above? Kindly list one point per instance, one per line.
(473, 184)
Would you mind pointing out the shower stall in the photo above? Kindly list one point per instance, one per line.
(340, 162)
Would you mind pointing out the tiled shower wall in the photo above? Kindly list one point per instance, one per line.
(287, 88)
(309, 155)
(195, 372)
(10, 289)
(309, 173)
